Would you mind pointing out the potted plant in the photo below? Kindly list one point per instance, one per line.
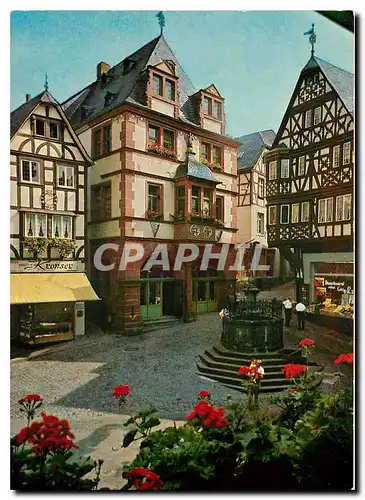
(154, 215)
(65, 246)
(35, 245)
(178, 216)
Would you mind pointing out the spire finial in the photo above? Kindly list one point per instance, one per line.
(161, 20)
(312, 38)
(46, 83)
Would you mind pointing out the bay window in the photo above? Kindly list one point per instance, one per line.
(35, 225)
(62, 226)
(272, 170)
(195, 199)
(207, 202)
(180, 199)
(284, 168)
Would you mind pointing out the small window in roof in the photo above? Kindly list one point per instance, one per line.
(128, 65)
(109, 98)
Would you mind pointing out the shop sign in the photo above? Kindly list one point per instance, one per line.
(339, 286)
(46, 266)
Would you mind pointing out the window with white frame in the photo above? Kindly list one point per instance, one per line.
(301, 165)
(62, 226)
(317, 115)
(336, 155)
(260, 223)
(295, 213)
(284, 214)
(261, 192)
(346, 153)
(35, 225)
(325, 210)
(272, 215)
(30, 171)
(284, 168)
(305, 211)
(65, 176)
(308, 118)
(343, 207)
(272, 170)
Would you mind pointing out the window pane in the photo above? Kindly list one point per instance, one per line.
(168, 139)
(25, 170)
(107, 202)
(170, 90)
(66, 227)
(207, 106)
(321, 210)
(216, 155)
(329, 209)
(295, 213)
(272, 170)
(308, 118)
(272, 215)
(285, 168)
(30, 228)
(97, 143)
(336, 156)
(205, 151)
(284, 214)
(260, 223)
(157, 84)
(207, 202)
(35, 171)
(217, 110)
(305, 211)
(56, 226)
(143, 294)
(301, 168)
(346, 153)
(347, 207)
(61, 176)
(339, 208)
(211, 290)
(39, 127)
(153, 134)
(219, 208)
(70, 176)
(53, 130)
(107, 139)
(201, 290)
(261, 187)
(317, 115)
(41, 225)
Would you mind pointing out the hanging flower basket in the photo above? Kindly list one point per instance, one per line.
(35, 245)
(162, 151)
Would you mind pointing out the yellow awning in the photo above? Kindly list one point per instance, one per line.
(36, 288)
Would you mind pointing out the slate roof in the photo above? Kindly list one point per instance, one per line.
(193, 169)
(19, 115)
(342, 81)
(252, 146)
(130, 86)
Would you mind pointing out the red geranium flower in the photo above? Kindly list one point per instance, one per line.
(315, 426)
(307, 343)
(121, 390)
(292, 389)
(208, 416)
(345, 358)
(293, 370)
(36, 398)
(204, 394)
(144, 479)
(244, 370)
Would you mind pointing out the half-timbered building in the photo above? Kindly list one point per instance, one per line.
(165, 172)
(309, 176)
(251, 209)
(48, 172)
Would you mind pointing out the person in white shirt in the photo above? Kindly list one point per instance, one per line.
(288, 307)
(300, 308)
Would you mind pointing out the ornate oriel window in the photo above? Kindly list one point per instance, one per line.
(284, 168)
(273, 170)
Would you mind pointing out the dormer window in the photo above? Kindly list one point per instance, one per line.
(54, 130)
(207, 106)
(128, 65)
(212, 108)
(109, 98)
(157, 84)
(217, 110)
(170, 90)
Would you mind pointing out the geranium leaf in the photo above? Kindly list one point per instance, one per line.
(129, 437)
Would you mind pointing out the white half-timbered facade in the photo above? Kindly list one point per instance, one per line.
(48, 171)
(309, 172)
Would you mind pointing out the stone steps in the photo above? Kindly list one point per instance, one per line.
(160, 323)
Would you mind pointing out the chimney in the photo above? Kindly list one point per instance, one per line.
(102, 68)
(27, 97)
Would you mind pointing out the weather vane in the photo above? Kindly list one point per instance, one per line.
(312, 37)
(46, 83)
(161, 20)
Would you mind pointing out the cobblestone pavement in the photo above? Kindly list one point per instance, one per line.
(76, 378)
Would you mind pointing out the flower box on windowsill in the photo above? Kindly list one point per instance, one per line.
(218, 223)
(154, 216)
(65, 246)
(162, 151)
(214, 167)
(203, 219)
(178, 217)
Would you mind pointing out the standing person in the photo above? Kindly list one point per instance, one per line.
(288, 307)
(300, 308)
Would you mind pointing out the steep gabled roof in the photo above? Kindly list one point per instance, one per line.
(21, 114)
(252, 147)
(128, 85)
(341, 80)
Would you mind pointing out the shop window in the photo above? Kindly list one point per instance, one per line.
(261, 192)
(295, 213)
(336, 155)
(65, 176)
(61, 226)
(305, 211)
(35, 225)
(343, 207)
(219, 208)
(284, 214)
(180, 200)
(40, 127)
(260, 223)
(211, 290)
(346, 155)
(301, 166)
(195, 199)
(100, 203)
(284, 168)
(154, 198)
(325, 210)
(54, 130)
(272, 215)
(30, 171)
(317, 115)
(207, 202)
(272, 170)
(201, 290)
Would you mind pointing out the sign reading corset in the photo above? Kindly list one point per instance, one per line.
(49, 199)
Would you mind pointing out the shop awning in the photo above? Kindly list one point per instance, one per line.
(39, 288)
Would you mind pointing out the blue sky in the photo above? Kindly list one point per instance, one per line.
(253, 58)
